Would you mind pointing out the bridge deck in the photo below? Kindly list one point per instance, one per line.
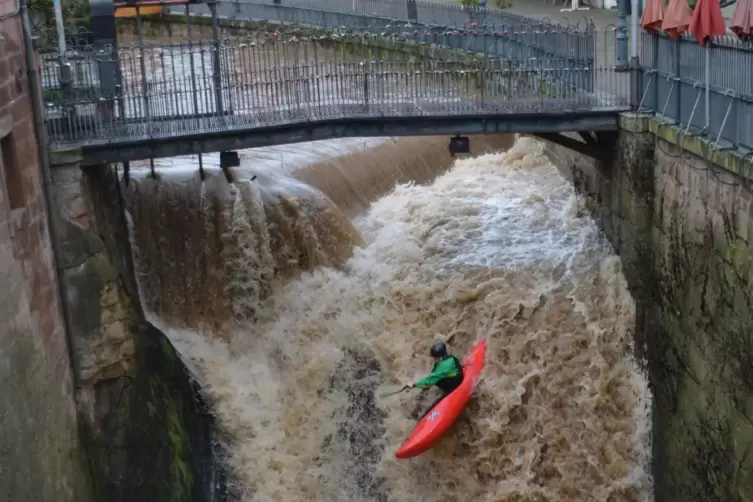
(169, 137)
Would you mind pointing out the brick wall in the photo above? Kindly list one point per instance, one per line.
(40, 457)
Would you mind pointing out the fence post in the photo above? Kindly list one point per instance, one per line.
(636, 77)
(194, 92)
(106, 43)
(707, 78)
(678, 94)
(655, 40)
(216, 68)
(621, 45)
(142, 67)
(635, 63)
(412, 11)
(586, 58)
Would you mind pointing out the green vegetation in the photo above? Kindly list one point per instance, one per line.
(74, 11)
(76, 19)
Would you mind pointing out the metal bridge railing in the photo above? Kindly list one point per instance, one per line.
(707, 91)
(263, 80)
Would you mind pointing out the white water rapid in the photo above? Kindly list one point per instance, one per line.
(300, 296)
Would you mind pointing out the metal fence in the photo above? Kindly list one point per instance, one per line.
(492, 33)
(246, 82)
(526, 36)
(704, 90)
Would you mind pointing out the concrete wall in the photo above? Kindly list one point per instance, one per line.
(684, 229)
(40, 456)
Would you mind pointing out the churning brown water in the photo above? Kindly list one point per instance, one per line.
(298, 307)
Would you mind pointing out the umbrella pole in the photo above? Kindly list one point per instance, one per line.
(708, 84)
(635, 90)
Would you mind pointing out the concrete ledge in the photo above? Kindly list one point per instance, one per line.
(62, 157)
(738, 161)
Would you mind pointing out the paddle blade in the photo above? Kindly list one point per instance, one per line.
(397, 391)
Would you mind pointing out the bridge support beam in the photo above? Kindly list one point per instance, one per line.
(451, 125)
(597, 145)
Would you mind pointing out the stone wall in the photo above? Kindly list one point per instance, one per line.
(40, 455)
(683, 227)
(148, 434)
(99, 309)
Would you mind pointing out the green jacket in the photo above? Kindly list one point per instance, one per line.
(447, 368)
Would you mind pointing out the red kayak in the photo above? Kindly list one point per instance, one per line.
(441, 417)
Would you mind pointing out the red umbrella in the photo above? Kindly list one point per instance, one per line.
(676, 19)
(653, 16)
(742, 20)
(707, 21)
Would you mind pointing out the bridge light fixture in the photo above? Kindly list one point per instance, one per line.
(460, 144)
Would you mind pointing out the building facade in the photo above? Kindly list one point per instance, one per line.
(40, 454)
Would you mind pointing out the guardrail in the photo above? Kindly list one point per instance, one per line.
(706, 91)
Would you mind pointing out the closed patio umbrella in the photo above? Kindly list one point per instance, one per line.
(742, 20)
(707, 21)
(676, 19)
(653, 16)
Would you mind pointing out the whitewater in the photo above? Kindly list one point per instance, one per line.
(298, 296)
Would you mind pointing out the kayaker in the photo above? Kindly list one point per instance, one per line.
(447, 373)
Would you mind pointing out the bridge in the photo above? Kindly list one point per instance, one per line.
(400, 69)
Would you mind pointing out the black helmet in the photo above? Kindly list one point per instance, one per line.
(438, 349)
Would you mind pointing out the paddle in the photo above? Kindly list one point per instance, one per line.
(397, 391)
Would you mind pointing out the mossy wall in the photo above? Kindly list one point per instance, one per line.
(683, 227)
(148, 434)
(156, 442)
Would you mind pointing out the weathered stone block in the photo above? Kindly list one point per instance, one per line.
(66, 157)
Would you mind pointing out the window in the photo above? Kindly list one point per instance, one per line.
(12, 173)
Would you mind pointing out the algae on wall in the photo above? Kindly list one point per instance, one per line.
(157, 443)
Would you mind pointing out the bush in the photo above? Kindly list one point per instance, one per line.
(75, 12)
(76, 19)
